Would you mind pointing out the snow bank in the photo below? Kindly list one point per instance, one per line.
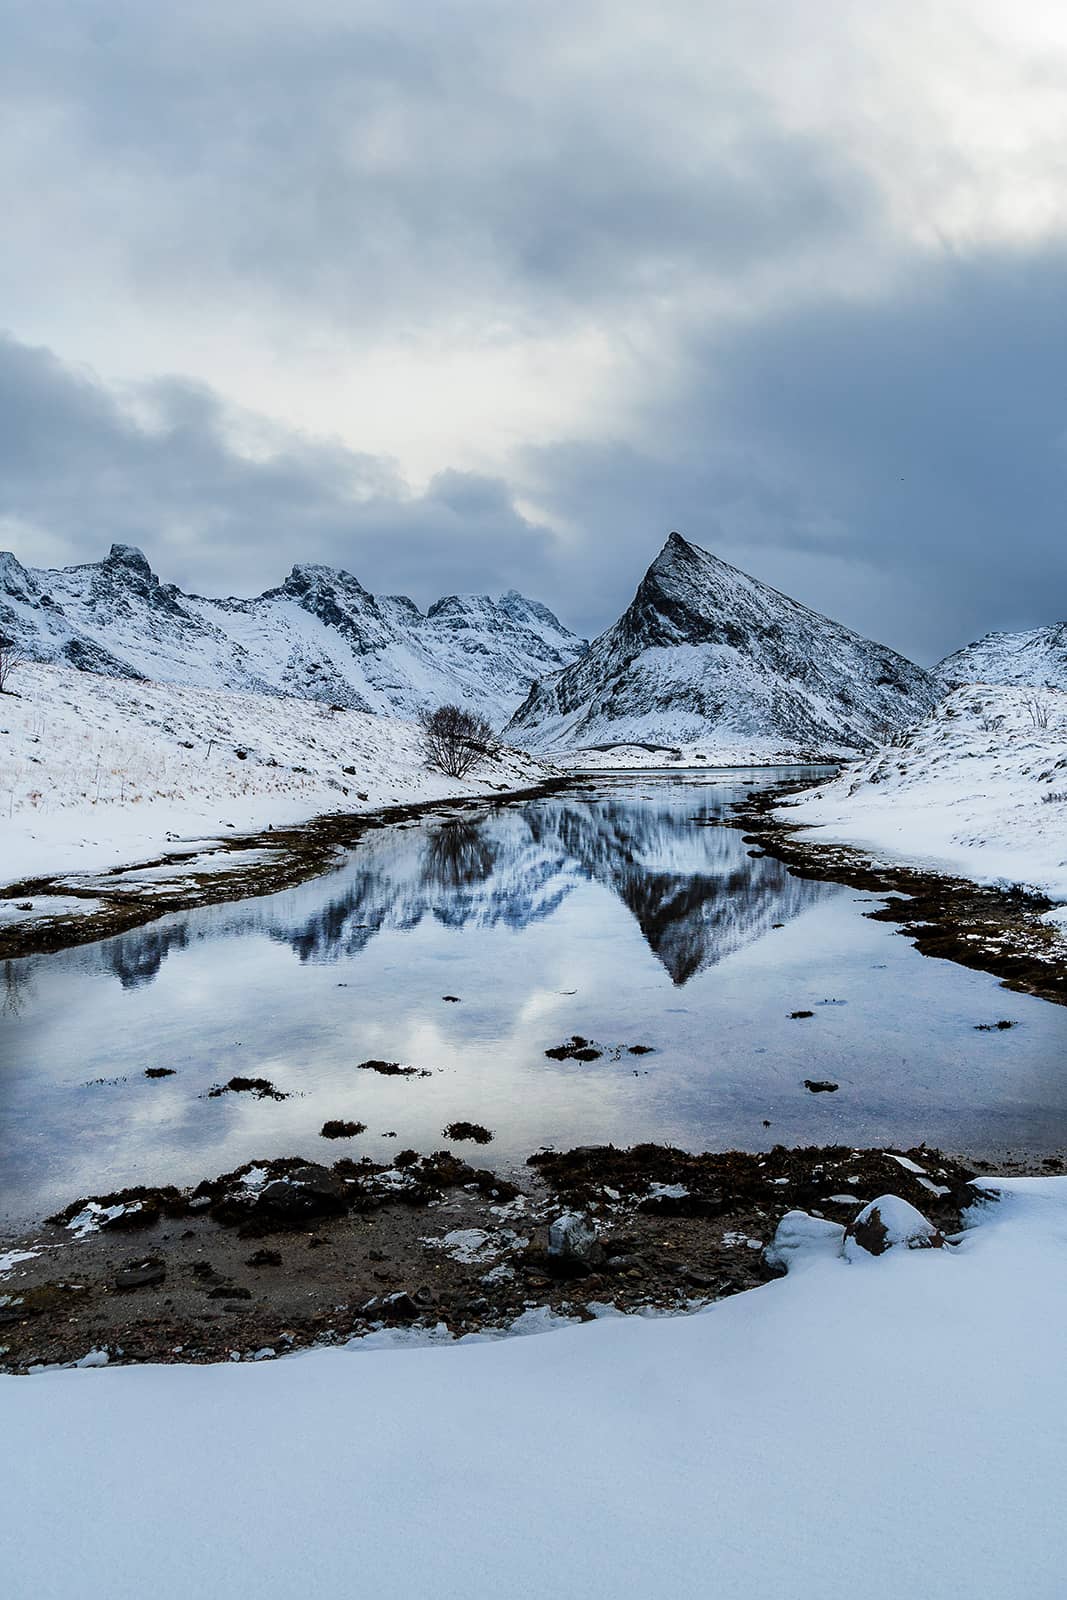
(98, 771)
(880, 1429)
(979, 789)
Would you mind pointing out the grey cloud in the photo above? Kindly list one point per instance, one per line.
(899, 463)
(462, 168)
(79, 465)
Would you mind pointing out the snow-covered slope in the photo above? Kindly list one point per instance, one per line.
(1037, 658)
(859, 1430)
(320, 635)
(95, 771)
(979, 789)
(706, 654)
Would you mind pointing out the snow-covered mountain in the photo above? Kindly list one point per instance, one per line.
(1037, 659)
(706, 654)
(319, 636)
(979, 788)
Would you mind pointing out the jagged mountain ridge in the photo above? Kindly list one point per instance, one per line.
(320, 635)
(1036, 658)
(705, 652)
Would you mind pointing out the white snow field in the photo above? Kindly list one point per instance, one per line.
(979, 789)
(97, 771)
(861, 1430)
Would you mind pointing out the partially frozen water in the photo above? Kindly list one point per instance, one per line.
(630, 916)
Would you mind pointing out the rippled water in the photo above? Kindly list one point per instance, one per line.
(630, 917)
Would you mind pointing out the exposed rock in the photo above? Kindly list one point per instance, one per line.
(141, 1274)
(572, 1237)
(574, 1049)
(886, 1223)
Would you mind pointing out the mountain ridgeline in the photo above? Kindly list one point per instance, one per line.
(1035, 659)
(705, 653)
(319, 636)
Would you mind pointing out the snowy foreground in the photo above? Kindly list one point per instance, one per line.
(979, 789)
(97, 772)
(861, 1430)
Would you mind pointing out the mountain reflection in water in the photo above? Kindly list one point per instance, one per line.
(628, 914)
(694, 891)
(690, 884)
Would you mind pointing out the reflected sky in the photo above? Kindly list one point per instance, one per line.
(630, 915)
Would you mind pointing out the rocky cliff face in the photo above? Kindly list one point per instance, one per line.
(705, 651)
(1035, 659)
(320, 635)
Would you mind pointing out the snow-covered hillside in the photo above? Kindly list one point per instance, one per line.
(1037, 658)
(321, 635)
(705, 654)
(979, 789)
(867, 1428)
(95, 771)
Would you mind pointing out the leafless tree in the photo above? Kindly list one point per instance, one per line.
(455, 740)
(10, 659)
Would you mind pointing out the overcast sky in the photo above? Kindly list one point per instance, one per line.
(480, 294)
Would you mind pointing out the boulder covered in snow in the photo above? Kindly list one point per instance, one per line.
(572, 1238)
(801, 1238)
(887, 1222)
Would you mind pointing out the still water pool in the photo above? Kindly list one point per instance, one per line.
(629, 915)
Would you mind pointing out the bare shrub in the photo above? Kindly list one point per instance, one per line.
(890, 736)
(10, 660)
(455, 740)
(1037, 710)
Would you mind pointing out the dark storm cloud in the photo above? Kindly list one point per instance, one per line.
(162, 471)
(901, 463)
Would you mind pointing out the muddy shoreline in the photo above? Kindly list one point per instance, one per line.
(953, 919)
(282, 1255)
(296, 854)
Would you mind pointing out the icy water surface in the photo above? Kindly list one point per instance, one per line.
(631, 916)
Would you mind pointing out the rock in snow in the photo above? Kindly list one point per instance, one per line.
(705, 652)
(320, 636)
(802, 1238)
(572, 1237)
(887, 1222)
